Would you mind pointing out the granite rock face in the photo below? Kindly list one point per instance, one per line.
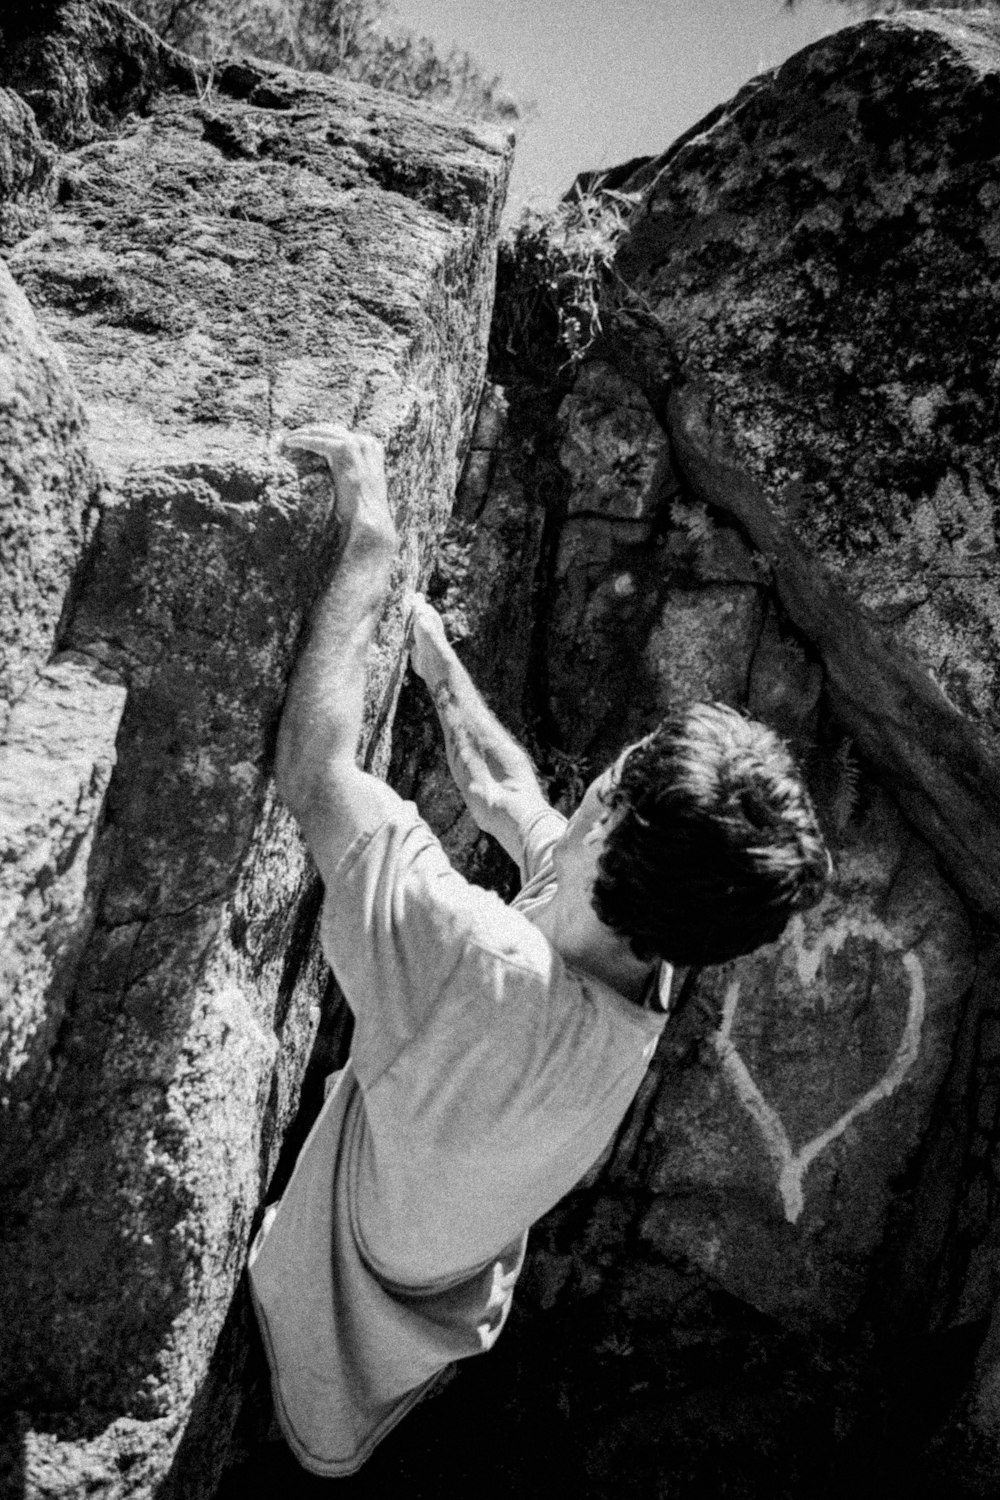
(223, 265)
(645, 592)
(852, 194)
(813, 309)
(81, 68)
(48, 489)
(25, 169)
(55, 764)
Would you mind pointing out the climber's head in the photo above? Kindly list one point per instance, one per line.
(709, 841)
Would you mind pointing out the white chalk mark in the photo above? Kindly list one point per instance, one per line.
(792, 1165)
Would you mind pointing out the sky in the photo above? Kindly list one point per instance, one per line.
(613, 79)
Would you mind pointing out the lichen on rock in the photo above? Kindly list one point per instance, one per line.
(821, 260)
(56, 760)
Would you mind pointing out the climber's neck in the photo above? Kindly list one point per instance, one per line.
(584, 942)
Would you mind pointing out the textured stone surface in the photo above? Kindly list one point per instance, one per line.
(254, 243)
(943, 767)
(56, 759)
(228, 265)
(25, 169)
(647, 591)
(857, 185)
(819, 266)
(612, 448)
(46, 486)
(81, 65)
(821, 263)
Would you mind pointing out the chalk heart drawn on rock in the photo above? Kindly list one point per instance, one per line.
(792, 1164)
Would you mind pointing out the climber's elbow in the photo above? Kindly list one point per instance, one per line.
(311, 789)
(305, 764)
(332, 800)
(319, 729)
(290, 778)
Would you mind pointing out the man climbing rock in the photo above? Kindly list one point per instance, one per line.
(496, 1048)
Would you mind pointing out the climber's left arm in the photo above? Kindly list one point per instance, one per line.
(315, 768)
(491, 770)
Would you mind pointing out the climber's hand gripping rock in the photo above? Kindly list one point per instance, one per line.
(357, 463)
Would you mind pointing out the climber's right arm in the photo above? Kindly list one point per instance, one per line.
(493, 773)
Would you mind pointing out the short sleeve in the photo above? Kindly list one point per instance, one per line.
(398, 925)
(537, 838)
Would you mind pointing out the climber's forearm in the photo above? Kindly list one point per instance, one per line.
(491, 770)
(321, 722)
(322, 717)
(474, 738)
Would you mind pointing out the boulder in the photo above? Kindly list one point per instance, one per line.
(47, 487)
(812, 307)
(772, 481)
(25, 169)
(56, 760)
(813, 275)
(648, 594)
(279, 249)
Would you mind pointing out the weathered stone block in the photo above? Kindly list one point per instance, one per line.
(46, 486)
(83, 64)
(56, 758)
(25, 169)
(701, 647)
(816, 274)
(613, 448)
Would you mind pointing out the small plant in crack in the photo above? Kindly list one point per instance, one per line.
(551, 274)
(846, 788)
(836, 781)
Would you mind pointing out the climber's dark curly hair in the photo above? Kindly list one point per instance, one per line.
(716, 844)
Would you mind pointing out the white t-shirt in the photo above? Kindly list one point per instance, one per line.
(486, 1077)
